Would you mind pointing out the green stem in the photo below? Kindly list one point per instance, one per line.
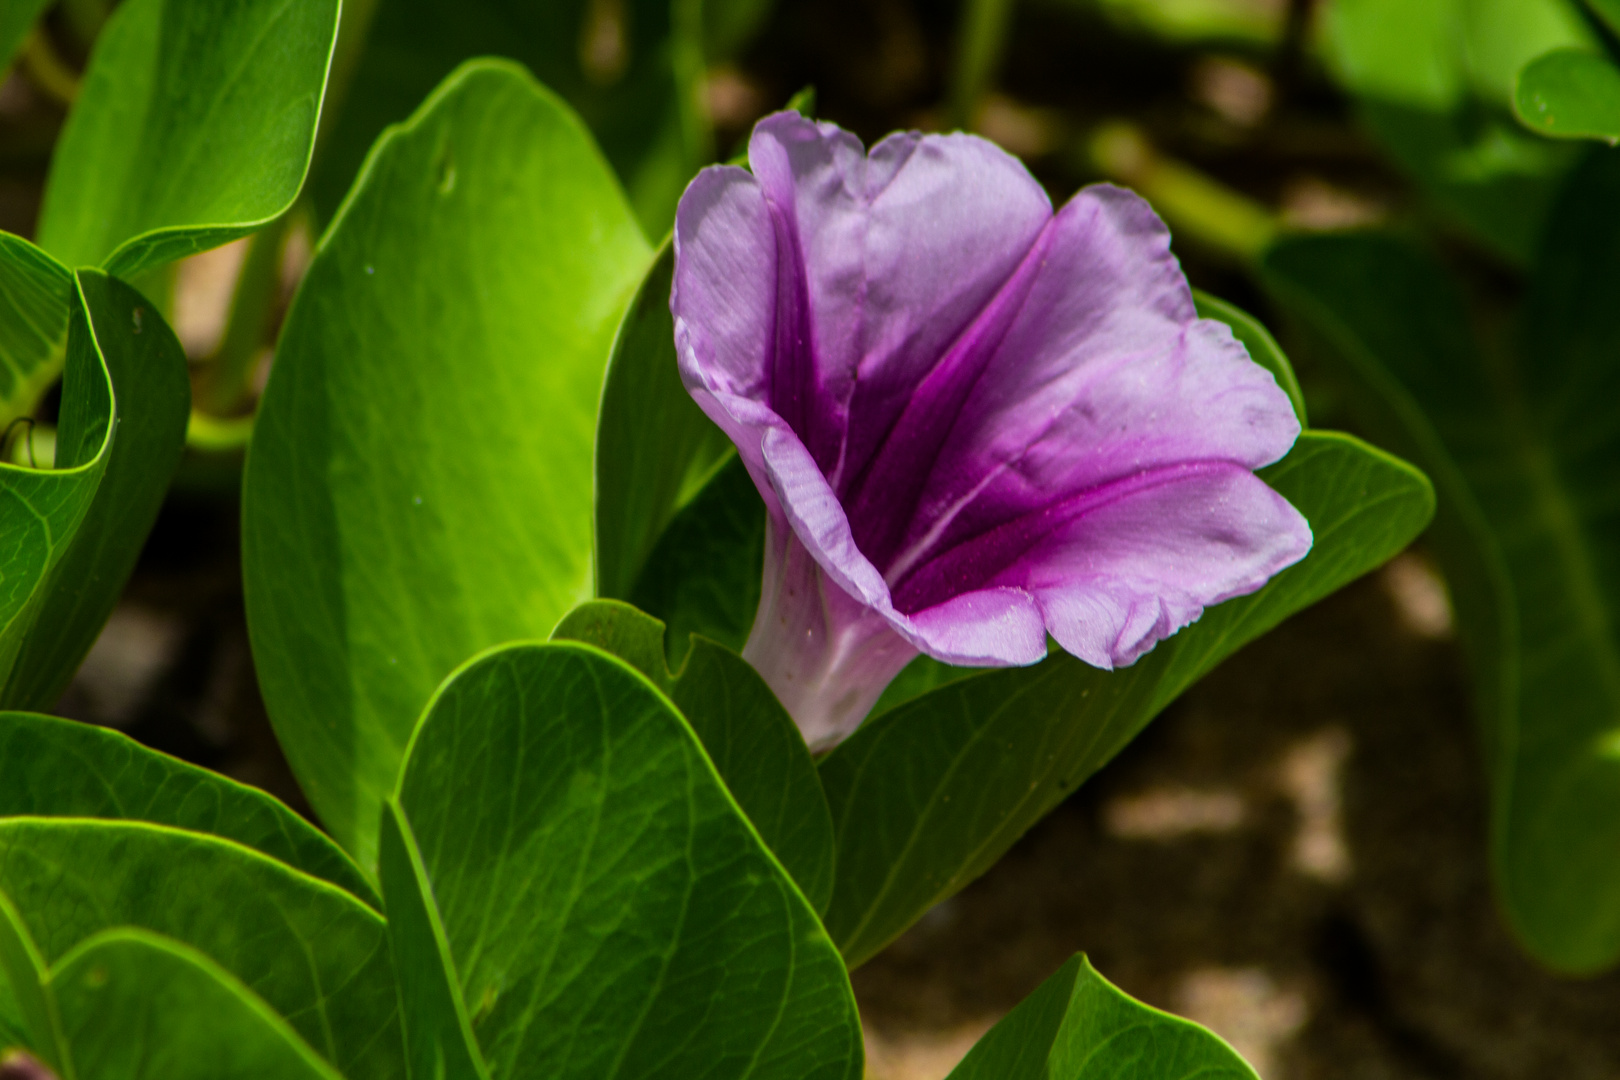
(227, 383)
(1191, 203)
(980, 39)
(46, 70)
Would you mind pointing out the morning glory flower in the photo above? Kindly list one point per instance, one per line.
(974, 421)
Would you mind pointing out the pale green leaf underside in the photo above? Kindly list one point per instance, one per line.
(419, 482)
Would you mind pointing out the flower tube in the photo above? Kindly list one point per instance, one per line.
(974, 421)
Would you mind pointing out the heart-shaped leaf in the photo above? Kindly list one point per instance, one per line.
(314, 953)
(631, 68)
(194, 125)
(73, 533)
(750, 738)
(606, 909)
(1570, 94)
(926, 797)
(1527, 531)
(419, 482)
(1079, 1026)
(60, 768)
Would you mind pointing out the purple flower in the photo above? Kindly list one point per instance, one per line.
(973, 421)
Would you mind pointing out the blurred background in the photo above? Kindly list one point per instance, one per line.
(1295, 853)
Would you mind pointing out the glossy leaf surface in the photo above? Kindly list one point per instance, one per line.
(194, 125)
(630, 69)
(134, 440)
(136, 1005)
(315, 954)
(36, 302)
(750, 738)
(654, 447)
(62, 768)
(1078, 1026)
(927, 796)
(1570, 94)
(1528, 538)
(419, 482)
(607, 908)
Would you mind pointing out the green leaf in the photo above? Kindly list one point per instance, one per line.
(608, 910)
(17, 18)
(748, 735)
(194, 126)
(1434, 79)
(1525, 456)
(654, 447)
(1078, 1026)
(315, 954)
(703, 575)
(1570, 94)
(151, 399)
(36, 302)
(418, 487)
(27, 1014)
(60, 768)
(438, 1033)
(927, 796)
(1263, 348)
(58, 581)
(631, 68)
(135, 1005)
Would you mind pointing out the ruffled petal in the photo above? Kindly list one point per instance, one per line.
(1104, 370)
(900, 250)
(1117, 580)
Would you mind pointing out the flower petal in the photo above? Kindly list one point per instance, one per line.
(900, 250)
(1117, 580)
(1101, 370)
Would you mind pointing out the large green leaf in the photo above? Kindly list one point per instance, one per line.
(315, 954)
(1434, 81)
(73, 532)
(1527, 457)
(748, 735)
(138, 451)
(1570, 94)
(195, 125)
(631, 68)
(703, 575)
(654, 447)
(26, 1014)
(606, 908)
(36, 302)
(419, 483)
(134, 1005)
(928, 795)
(60, 768)
(1079, 1026)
